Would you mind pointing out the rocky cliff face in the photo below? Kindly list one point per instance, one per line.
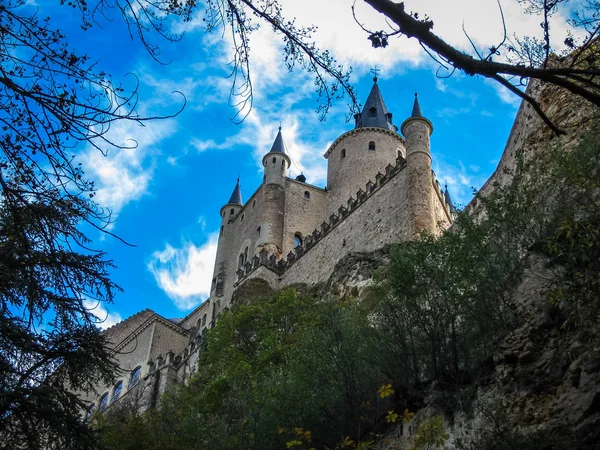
(541, 389)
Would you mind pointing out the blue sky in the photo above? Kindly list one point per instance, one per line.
(166, 193)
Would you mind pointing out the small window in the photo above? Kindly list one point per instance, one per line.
(231, 211)
(204, 320)
(258, 231)
(222, 229)
(253, 204)
(135, 377)
(241, 261)
(306, 194)
(371, 145)
(343, 153)
(274, 160)
(372, 112)
(214, 283)
(103, 402)
(117, 392)
(90, 413)
(297, 240)
(264, 178)
(242, 218)
(283, 162)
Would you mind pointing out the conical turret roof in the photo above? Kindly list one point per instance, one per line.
(236, 195)
(448, 199)
(416, 111)
(375, 113)
(278, 145)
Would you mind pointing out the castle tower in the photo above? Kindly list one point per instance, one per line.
(358, 155)
(228, 212)
(417, 130)
(271, 217)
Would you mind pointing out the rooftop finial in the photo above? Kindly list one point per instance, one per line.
(375, 71)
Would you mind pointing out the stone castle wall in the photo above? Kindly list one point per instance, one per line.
(350, 163)
(302, 214)
(377, 215)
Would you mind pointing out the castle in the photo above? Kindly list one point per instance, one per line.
(380, 190)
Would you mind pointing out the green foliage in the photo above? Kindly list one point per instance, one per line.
(431, 434)
(269, 368)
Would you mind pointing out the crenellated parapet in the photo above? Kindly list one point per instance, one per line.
(269, 261)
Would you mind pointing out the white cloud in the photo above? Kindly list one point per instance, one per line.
(185, 273)
(105, 318)
(124, 174)
(461, 180)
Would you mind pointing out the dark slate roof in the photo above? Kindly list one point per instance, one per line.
(416, 112)
(278, 146)
(375, 113)
(236, 195)
(447, 197)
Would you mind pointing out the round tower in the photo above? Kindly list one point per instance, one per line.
(417, 131)
(228, 212)
(358, 155)
(269, 234)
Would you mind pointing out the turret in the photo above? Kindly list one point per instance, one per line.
(417, 130)
(276, 162)
(271, 216)
(228, 212)
(358, 155)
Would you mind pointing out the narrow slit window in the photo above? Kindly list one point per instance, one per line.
(117, 392)
(274, 160)
(135, 377)
(231, 211)
(258, 231)
(242, 218)
(343, 153)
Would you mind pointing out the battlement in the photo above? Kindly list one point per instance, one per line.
(269, 261)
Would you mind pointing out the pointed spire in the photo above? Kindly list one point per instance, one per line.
(448, 199)
(416, 111)
(375, 113)
(278, 145)
(236, 195)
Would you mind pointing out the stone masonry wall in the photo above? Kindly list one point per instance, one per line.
(302, 215)
(380, 220)
(348, 174)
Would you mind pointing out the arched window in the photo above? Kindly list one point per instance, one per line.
(274, 160)
(241, 261)
(343, 153)
(117, 392)
(297, 240)
(372, 112)
(135, 377)
(306, 194)
(103, 402)
(231, 211)
(90, 413)
(204, 320)
(283, 162)
(371, 145)
(245, 255)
